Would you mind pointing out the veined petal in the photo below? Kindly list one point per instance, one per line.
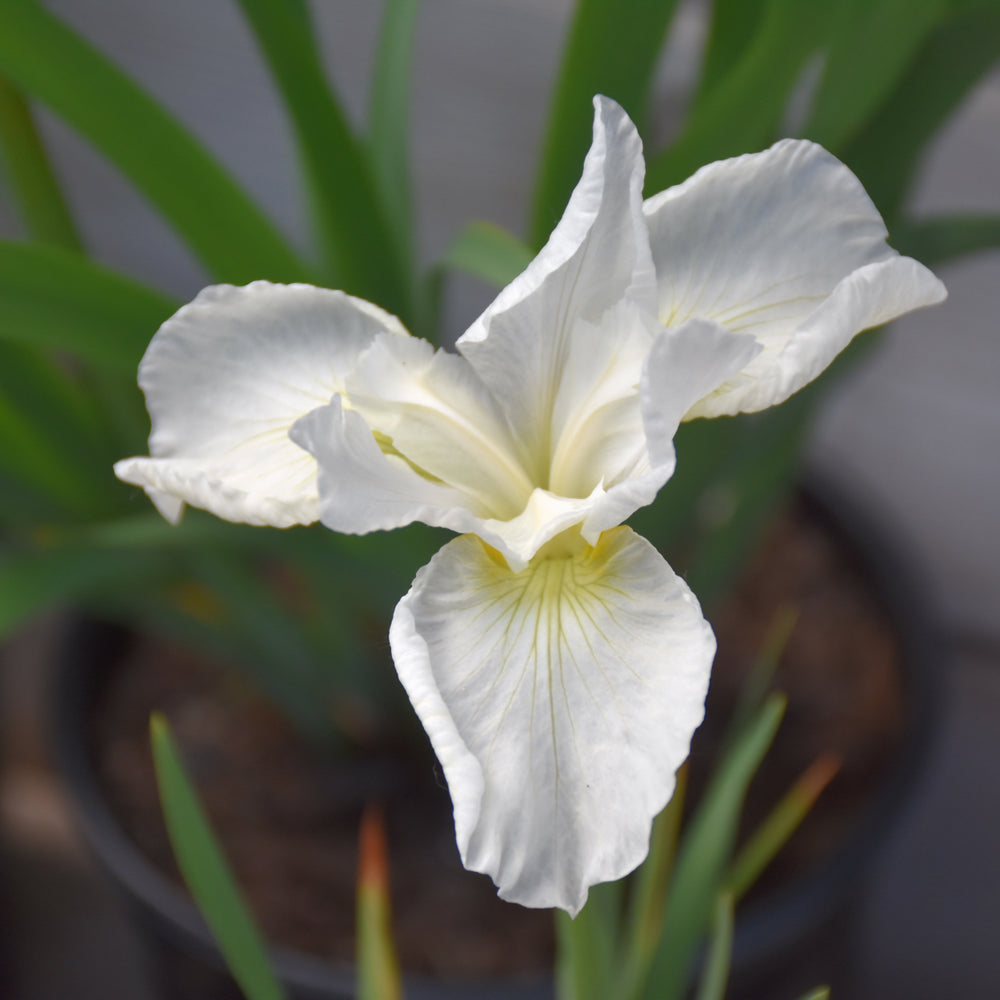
(596, 426)
(597, 255)
(560, 701)
(759, 244)
(284, 496)
(432, 409)
(226, 377)
(545, 516)
(872, 295)
(683, 365)
(363, 488)
(687, 364)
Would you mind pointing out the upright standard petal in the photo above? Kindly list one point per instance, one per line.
(417, 437)
(682, 366)
(769, 244)
(531, 336)
(226, 377)
(687, 364)
(560, 701)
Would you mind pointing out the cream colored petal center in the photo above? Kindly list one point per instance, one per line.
(428, 409)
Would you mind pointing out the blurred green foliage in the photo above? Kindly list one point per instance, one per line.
(287, 605)
(298, 609)
(72, 331)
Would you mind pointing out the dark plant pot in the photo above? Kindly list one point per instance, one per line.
(803, 934)
(182, 953)
(774, 937)
(7, 926)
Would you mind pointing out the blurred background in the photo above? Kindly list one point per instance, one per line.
(915, 430)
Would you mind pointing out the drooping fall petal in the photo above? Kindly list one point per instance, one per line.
(560, 701)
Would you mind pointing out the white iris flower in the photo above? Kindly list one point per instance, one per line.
(556, 661)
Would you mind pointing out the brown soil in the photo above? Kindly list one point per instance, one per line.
(289, 817)
(841, 673)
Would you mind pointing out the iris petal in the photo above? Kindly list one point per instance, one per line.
(525, 343)
(362, 488)
(440, 416)
(226, 377)
(763, 244)
(560, 701)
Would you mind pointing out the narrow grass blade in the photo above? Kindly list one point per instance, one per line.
(733, 22)
(715, 974)
(206, 872)
(389, 118)
(761, 674)
(872, 44)
(31, 181)
(50, 433)
(378, 966)
(887, 152)
(743, 109)
(760, 476)
(705, 450)
(704, 855)
(219, 222)
(730, 474)
(939, 240)
(58, 300)
(353, 225)
(774, 832)
(587, 946)
(650, 885)
(612, 49)
(489, 253)
(820, 993)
